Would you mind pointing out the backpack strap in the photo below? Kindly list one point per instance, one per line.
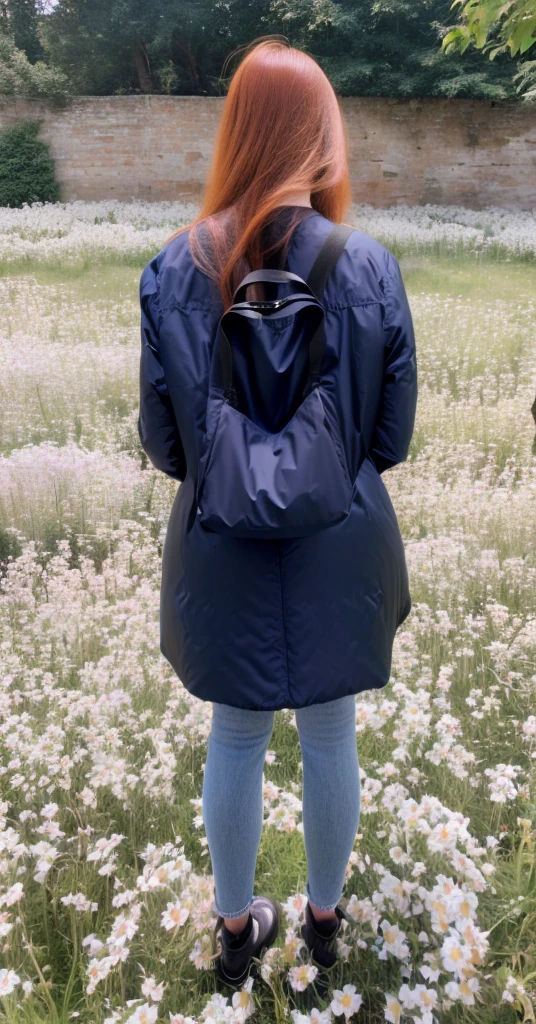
(326, 259)
(324, 263)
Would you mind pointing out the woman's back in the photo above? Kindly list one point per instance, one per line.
(283, 623)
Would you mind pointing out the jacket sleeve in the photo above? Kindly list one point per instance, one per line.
(157, 425)
(398, 403)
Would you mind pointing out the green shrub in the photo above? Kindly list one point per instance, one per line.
(27, 173)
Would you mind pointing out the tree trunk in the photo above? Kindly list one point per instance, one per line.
(188, 59)
(141, 63)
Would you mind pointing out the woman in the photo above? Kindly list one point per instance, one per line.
(305, 623)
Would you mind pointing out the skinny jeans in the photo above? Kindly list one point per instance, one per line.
(232, 798)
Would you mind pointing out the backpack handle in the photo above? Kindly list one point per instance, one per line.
(327, 257)
(260, 276)
(224, 346)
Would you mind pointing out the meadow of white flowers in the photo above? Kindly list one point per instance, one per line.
(105, 883)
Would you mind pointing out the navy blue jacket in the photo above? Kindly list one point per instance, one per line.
(268, 624)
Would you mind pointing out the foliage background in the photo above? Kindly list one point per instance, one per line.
(366, 47)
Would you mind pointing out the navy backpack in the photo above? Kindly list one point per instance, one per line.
(273, 462)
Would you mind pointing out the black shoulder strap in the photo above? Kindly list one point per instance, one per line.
(326, 259)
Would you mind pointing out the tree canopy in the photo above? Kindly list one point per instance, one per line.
(496, 26)
(366, 47)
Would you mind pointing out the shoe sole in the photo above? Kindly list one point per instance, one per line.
(252, 967)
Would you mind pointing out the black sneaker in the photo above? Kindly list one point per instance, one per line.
(234, 962)
(320, 937)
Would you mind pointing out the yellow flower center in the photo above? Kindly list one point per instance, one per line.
(395, 1008)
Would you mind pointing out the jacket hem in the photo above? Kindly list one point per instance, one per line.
(285, 643)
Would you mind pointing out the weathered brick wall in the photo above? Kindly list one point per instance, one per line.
(470, 152)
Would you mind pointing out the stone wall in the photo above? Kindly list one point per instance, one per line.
(474, 153)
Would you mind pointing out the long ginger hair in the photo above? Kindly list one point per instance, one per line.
(281, 132)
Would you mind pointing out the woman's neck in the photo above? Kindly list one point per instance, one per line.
(298, 199)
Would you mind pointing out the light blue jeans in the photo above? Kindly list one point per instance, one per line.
(232, 799)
